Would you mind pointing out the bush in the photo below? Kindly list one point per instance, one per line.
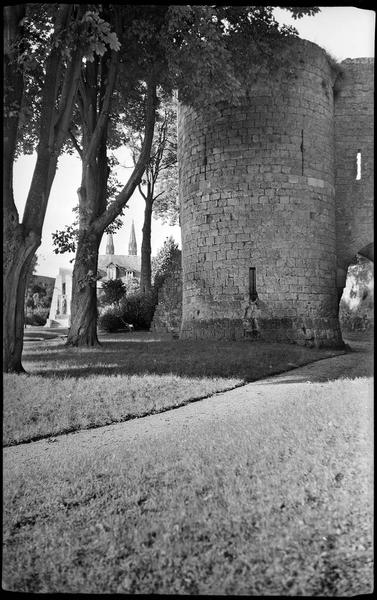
(110, 320)
(37, 317)
(355, 320)
(356, 307)
(138, 310)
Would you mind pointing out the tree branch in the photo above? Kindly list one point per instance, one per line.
(13, 94)
(45, 168)
(142, 192)
(76, 144)
(123, 197)
(82, 96)
(67, 99)
(102, 119)
(158, 195)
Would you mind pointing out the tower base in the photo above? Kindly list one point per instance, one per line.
(313, 333)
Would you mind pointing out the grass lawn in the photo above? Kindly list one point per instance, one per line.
(273, 500)
(131, 375)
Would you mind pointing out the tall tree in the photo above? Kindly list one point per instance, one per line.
(94, 97)
(44, 49)
(56, 94)
(100, 92)
(162, 161)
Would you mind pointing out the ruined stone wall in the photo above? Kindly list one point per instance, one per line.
(354, 112)
(168, 315)
(257, 191)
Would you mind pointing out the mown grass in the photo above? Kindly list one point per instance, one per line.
(36, 407)
(273, 500)
(131, 375)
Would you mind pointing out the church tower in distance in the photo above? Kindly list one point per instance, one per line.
(110, 244)
(132, 246)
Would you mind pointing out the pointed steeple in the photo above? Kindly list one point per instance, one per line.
(110, 244)
(132, 246)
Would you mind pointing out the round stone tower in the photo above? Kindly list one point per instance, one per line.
(258, 210)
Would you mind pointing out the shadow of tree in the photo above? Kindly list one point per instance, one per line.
(358, 362)
(137, 354)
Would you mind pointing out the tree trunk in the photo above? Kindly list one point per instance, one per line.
(146, 276)
(20, 241)
(94, 218)
(83, 328)
(17, 256)
(17, 251)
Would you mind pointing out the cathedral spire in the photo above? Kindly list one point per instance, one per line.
(110, 244)
(132, 246)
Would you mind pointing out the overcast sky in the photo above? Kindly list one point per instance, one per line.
(345, 32)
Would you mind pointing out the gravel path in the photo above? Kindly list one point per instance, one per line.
(253, 397)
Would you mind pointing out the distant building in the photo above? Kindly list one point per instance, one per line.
(119, 266)
(110, 266)
(61, 300)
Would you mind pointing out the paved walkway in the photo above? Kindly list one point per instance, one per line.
(257, 396)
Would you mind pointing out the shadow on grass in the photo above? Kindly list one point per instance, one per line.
(357, 362)
(146, 354)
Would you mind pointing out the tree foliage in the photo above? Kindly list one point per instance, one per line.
(113, 291)
(161, 167)
(356, 307)
(43, 52)
(83, 29)
(163, 261)
(159, 184)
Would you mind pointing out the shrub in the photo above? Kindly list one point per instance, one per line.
(138, 310)
(351, 320)
(37, 317)
(110, 320)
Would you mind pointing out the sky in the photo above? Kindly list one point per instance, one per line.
(344, 32)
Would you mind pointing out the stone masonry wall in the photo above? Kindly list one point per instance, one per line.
(168, 314)
(354, 113)
(257, 191)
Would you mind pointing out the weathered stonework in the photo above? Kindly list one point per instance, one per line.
(354, 116)
(257, 190)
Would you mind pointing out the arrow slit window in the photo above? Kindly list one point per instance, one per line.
(253, 295)
(358, 165)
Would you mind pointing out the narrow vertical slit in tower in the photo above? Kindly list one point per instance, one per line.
(302, 151)
(205, 157)
(358, 165)
(252, 284)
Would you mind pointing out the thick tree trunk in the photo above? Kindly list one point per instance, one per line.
(17, 251)
(20, 241)
(146, 276)
(17, 256)
(83, 328)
